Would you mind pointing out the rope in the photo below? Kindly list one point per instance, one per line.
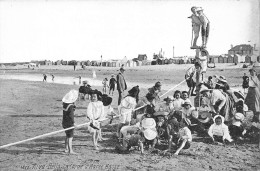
(76, 126)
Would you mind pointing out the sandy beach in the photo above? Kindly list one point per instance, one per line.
(29, 108)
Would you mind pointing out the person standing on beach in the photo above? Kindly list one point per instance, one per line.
(245, 82)
(196, 24)
(52, 77)
(253, 96)
(112, 84)
(68, 118)
(121, 84)
(44, 78)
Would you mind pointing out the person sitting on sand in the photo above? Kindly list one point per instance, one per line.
(95, 113)
(185, 96)
(167, 106)
(218, 131)
(184, 136)
(178, 101)
(126, 108)
(236, 129)
(68, 118)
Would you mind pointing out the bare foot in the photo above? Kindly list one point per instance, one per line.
(96, 148)
(176, 154)
(66, 151)
(72, 152)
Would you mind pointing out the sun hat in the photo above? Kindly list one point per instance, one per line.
(161, 113)
(239, 116)
(134, 91)
(205, 51)
(85, 82)
(148, 123)
(204, 116)
(199, 9)
(70, 97)
(186, 103)
(150, 134)
(204, 88)
(158, 84)
(222, 78)
(168, 98)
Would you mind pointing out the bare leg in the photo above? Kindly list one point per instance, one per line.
(66, 145)
(70, 146)
(120, 125)
(181, 147)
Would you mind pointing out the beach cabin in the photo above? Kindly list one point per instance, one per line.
(254, 58)
(220, 59)
(225, 60)
(138, 63)
(170, 61)
(58, 62)
(148, 62)
(230, 59)
(93, 63)
(48, 62)
(166, 61)
(128, 63)
(181, 61)
(247, 59)
(142, 57)
(78, 63)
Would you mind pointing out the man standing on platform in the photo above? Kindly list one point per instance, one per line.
(121, 84)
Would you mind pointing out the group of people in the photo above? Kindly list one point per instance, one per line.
(45, 77)
(146, 122)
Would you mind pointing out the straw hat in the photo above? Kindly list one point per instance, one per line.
(150, 134)
(186, 103)
(148, 123)
(199, 9)
(204, 117)
(239, 116)
(204, 88)
(70, 97)
(222, 78)
(168, 98)
(195, 114)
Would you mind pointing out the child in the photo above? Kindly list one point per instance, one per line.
(177, 102)
(126, 107)
(155, 90)
(218, 131)
(95, 113)
(112, 84)
(52, 77)
(68, 118)
(131, 140)
(237, 131)
(44, 78)
(184, 136)
(105, 85)
(210, 82)
(185, 97)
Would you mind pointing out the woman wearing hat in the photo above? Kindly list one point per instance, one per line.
(167, 106)
(127, 106)
(218, 101)
(253, 96)
(68, 118)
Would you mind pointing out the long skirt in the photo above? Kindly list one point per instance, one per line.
(253, 100)
(227, 111)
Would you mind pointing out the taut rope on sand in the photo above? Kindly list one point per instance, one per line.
(76, 126)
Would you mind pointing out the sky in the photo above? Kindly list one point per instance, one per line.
(85, 30)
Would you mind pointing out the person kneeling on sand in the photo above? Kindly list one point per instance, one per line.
(218, 131)
(184, 136)
(131, 139)
(236, 129)
(95, 113)
(68, 118)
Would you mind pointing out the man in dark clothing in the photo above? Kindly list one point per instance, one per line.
(121, 84)
(112, 84)
(245, 82)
